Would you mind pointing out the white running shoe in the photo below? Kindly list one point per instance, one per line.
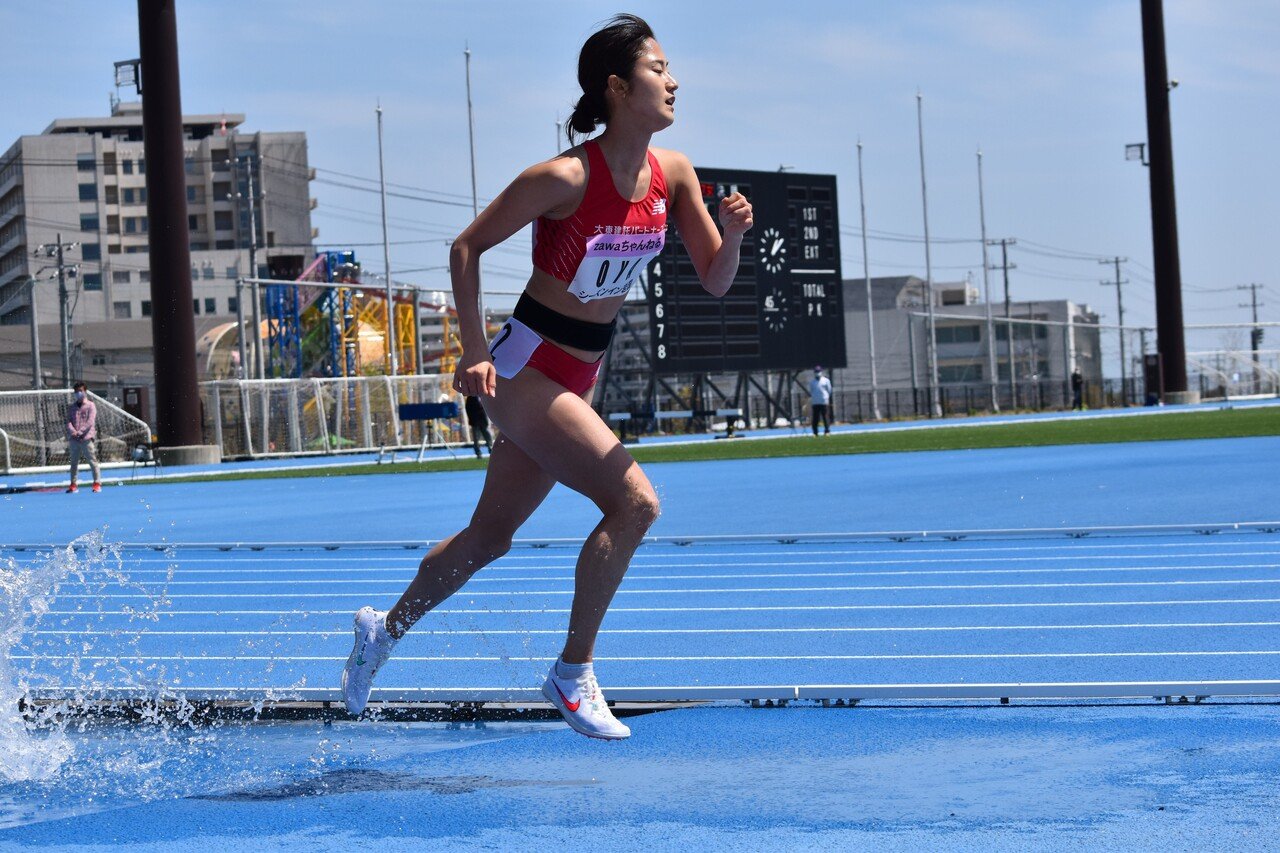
(582, 704)
(372, 648)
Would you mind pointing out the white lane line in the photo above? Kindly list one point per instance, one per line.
(633, 577)
(652, 658)
(638, 573)
(708, 551)
(404, 565)
(761, 608)
(344, 632)
(693, 591)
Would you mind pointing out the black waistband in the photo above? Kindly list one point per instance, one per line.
(569, 331)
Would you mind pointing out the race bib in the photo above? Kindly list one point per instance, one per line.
(612, 262)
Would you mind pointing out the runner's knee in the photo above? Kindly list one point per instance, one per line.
(638, 504)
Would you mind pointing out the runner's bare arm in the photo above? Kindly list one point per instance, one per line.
(714, 257)
(542, 189)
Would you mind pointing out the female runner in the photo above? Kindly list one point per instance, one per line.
(600, 214)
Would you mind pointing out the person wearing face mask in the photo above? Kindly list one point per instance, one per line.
(82, 435)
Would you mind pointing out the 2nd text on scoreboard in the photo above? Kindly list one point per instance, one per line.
(785, 310)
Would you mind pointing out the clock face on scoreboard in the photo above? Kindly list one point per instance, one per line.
(785, 309)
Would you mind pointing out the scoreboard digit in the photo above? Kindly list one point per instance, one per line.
(785, 308)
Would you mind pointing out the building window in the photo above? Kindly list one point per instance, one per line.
(93, 281)
(193, 223)
(210, 305)
(969, 334)
(128, 195)
(202, 246)
(86, 163)
(146, 306)
(960, 373)
(144, 276)
(232, 273)
(88, 222)
(191, 194)
(207, 272)
(190, 164)
(131, 225)
(122, 310)
(224, 244)
(126, 166)
(195, 305)
(231, 305)
(88, 192)
(97, 360)
(142, 166)
(222, 220)
(121, 276)
(91, 251)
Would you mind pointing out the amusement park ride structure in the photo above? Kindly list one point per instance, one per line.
(326, 323)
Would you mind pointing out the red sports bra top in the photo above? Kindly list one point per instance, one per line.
(604, 245)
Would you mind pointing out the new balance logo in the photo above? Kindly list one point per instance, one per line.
(660, 206)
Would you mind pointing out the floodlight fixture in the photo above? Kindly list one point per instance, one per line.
(128, 74)
(1136, 151)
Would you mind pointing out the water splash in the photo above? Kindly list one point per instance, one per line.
(33, 746)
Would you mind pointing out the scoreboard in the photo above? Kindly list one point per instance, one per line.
(785, 309)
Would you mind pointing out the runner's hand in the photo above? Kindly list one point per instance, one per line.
(735, 214)
(475, 377)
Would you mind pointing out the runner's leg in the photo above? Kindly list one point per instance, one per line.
(570, 442)
(513, 488)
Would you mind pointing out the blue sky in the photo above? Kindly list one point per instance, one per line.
(1051, 91)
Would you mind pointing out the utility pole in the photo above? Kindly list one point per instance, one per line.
(252, 364)
(1004, 243)
(866, 277)
(986, 294)
(931, 350)
(1255, 334)
(392, 343)
(57, 253)
(475, 199)
(1119, 286)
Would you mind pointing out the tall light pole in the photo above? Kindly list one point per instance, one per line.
(37, 382)
(935, 405)
(866, 277)
(986, 294)
(475, 199)
(386, 255)
(256, 368)
(1170, 336)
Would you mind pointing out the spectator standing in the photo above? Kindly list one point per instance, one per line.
(82, 436)
(1077, 389)
(820, 397)
(479, 422)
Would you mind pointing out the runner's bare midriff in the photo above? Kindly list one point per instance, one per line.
(554, 294)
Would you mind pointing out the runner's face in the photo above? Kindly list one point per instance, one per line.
(651, 95)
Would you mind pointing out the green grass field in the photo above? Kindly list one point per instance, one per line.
(1229, 423)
